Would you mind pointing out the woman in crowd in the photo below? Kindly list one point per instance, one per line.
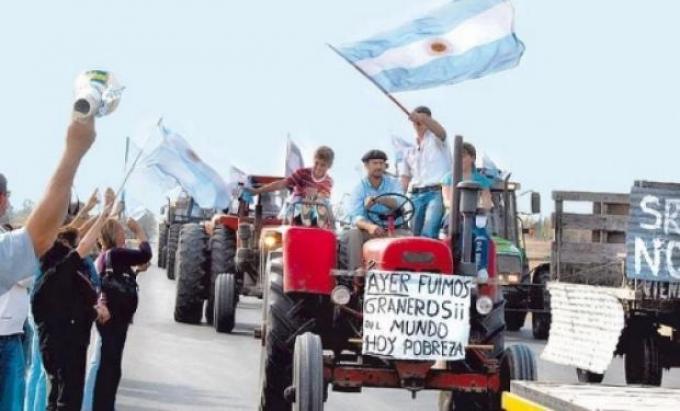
(116, 265)
(64, 305)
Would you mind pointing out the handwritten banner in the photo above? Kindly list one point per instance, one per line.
(416, 316)
(653, 236)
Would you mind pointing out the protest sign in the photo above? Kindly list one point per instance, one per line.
(416, 316)
(653, 236)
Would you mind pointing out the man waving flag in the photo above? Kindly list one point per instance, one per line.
(462, 40)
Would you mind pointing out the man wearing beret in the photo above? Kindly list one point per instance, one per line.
(363, 197)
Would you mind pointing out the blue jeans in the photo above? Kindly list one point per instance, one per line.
(36, 379)
(12, 370)
(92, 368)
(429, 210)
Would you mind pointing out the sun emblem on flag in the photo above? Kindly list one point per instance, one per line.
(439, 47)
(193, 156)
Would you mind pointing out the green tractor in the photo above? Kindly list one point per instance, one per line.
(508, 233)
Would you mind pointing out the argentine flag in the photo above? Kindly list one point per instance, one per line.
(465, 39)
(174, 158)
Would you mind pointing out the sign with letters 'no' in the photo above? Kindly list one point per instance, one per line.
(653, 236)
(416, 316)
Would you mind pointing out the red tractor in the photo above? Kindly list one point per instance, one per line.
(317, 333)
(218, 261)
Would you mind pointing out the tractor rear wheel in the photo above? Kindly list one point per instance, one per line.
(308, 373)
(589, 377)
(540, 321)
(285, 320)
(226, 298)
(173, 242)
(222, 247)
(191, 274)
(162, 244)
(643, 360)
(514, 320)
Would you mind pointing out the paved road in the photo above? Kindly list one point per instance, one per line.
(170, 366)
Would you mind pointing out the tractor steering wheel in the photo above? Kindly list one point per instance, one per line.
(404, 209)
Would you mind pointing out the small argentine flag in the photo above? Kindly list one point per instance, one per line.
(462, 40)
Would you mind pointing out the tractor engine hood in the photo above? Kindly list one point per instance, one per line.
(417, 254)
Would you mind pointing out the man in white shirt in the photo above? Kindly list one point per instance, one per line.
(425, 166)
(19, 253)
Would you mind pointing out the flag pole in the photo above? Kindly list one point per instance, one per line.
(375, 83)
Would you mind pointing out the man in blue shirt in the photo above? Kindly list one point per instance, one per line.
(363, 197)
(19, 253)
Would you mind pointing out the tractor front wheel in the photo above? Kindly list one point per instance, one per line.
(285, 319)
(308, 373)
(226, 298)
(162, 245)
(222, 246)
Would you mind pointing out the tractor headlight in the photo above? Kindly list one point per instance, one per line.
(484, 305)
(271, 240)
(512, 278)
(341, 295)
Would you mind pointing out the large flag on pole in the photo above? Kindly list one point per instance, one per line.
(174, 158)
(462, 40)
(294, 159)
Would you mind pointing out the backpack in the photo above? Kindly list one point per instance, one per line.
(120, 290)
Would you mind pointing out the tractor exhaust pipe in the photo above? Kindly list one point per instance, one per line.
(457, 173)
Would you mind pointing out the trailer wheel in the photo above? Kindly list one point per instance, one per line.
(191, 274)
(173, 242)
(285, 321)
(514, 320)
(540, 321)
(308, 373)
(225, 303)
(590, 377)
(643, 360)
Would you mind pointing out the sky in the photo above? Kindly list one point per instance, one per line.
(592, 105)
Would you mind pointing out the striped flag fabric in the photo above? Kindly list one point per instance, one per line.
(462, 40)
(175, 159)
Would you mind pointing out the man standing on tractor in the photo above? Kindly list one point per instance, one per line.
(425, 166)
(368, 194)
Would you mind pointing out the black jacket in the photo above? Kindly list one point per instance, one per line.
(64, 298)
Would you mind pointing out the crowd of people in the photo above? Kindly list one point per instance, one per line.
(64, 276)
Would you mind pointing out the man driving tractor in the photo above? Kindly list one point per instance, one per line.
(369, 198)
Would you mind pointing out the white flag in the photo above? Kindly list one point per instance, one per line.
(294, 158)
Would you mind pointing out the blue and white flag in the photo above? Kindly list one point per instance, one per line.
(462, 40)
(294, 159)
(174, 158)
